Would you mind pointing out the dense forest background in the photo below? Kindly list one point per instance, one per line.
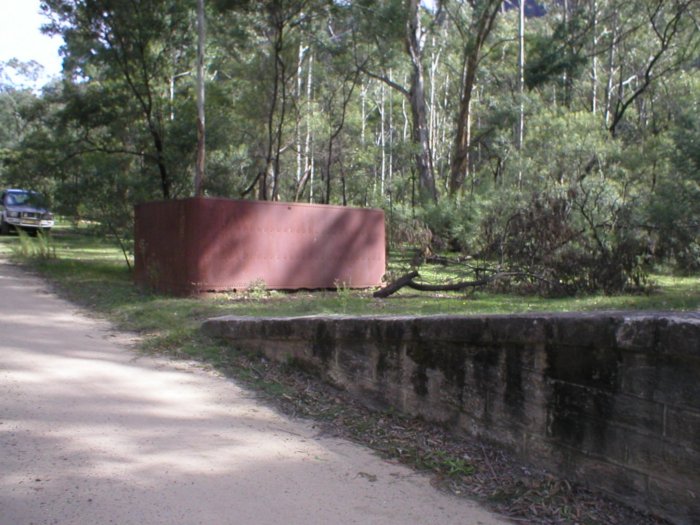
(558, 137)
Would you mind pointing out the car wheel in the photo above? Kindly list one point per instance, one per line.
(4, 227)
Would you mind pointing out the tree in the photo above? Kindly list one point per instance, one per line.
(137, 46)
(664, 21)
(201, 131)
(415, 44)
(301, 104)
(474, 34)
(274, 22)
(383, 19)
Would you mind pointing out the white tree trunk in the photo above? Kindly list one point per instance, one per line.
(382, 140)
(521, 85)
(404, 135)
(432, 108)
(201, 126)
(363, 105)
(297, 124)
(612, 56)
(391, 133)
(309, 145)
(594, 62)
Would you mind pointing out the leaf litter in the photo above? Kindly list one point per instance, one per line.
(459, 464)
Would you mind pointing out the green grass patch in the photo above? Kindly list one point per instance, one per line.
(91, 272)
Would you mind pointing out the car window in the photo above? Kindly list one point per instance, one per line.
(16, 199)
(25, 199)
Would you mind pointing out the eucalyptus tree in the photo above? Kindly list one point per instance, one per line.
(675, 203)
(133, 49)
(271, 41)
(663, 39)
(201, 122)
(381, 103)
(474, 20)
(26, 138)
(15, 103)
(389, 32)
(334, 99)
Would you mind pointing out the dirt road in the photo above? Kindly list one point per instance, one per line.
(91, 433)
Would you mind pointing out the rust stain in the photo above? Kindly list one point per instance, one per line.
(209, 244)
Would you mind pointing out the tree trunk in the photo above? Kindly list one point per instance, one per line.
(280, 125)
(612, 55)
(432, 107)
(391, 137)
(309, 143)
(382, 140)
(305, 173)
(165, 183)
(297, 122)
(273, 132)
(594, 62)
(346, 97)
(199, 173)
(521, 85)
(568, 80)
(416, 96)
(471, 57)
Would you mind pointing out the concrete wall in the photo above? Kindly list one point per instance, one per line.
(608, 399)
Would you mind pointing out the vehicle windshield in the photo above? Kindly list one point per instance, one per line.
(25, 198)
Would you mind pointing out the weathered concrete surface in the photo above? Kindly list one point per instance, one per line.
(92, 434)
(611, 399)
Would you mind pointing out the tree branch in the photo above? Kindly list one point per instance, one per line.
(386, 80)
(407, 280)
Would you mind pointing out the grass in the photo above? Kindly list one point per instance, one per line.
(92, 272)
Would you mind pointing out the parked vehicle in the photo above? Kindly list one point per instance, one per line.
(24, 209)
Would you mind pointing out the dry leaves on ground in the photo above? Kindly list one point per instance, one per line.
(462, 465)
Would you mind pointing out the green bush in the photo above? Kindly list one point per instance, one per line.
(581, 240)
(674, 210)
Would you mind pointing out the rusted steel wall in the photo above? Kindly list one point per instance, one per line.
(206, 244)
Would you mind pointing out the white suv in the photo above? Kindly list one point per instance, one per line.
(24, 209)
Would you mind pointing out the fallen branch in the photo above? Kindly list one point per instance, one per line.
(394, 287)
(452, 287)
(407, 280)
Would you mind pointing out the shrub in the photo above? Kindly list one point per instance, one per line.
(574, 241)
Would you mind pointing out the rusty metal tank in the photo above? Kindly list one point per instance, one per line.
(198, 245)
